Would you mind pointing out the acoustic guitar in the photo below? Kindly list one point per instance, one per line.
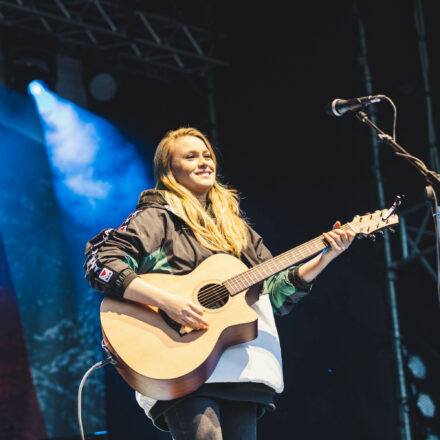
(164, 360)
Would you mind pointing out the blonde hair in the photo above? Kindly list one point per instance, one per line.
(223, 230)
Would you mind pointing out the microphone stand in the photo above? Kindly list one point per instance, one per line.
(432, 181)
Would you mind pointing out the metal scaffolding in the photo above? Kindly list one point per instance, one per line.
(413, 231)
(412, 234)
(136, 41)
(150, 44)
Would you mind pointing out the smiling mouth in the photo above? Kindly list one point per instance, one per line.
(204, 173)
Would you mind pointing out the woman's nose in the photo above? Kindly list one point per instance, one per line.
(203, 160)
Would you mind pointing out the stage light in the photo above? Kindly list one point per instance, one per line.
(426, 405)
(417, 367)
(43, 97)
(103, 87)
(36, 87)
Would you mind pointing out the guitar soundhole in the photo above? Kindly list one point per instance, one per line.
(213, 296)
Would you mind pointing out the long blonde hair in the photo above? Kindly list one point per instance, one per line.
(223, 230)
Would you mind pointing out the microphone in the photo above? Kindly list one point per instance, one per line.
(340, 106)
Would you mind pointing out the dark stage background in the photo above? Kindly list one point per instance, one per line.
(298, 171)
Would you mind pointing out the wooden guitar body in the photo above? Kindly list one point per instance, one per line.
(158, 361)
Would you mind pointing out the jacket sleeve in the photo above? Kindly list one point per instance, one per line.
(285, 288)
(114, 255)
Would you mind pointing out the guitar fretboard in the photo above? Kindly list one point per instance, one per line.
(262, 271)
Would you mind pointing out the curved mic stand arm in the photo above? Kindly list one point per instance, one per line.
(432, 179)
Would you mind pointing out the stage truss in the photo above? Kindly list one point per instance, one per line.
(148, 44)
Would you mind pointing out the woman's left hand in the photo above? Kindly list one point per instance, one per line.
(339, 241)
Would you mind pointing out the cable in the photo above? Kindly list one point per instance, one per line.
(432, 197)
(414, 159)
(394, 117)
(100, 364)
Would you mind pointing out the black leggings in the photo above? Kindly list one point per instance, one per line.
(206, 418)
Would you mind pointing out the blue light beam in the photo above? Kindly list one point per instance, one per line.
(98, 174)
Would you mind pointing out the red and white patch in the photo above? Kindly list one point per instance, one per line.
(105, 275)
(123, 228)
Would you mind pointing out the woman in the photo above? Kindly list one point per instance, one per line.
(189, 217)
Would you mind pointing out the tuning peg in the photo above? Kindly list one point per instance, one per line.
(381, 233)
(392, 230)
(372, 236)
(395, 205)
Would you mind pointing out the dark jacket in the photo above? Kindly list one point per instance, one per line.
(154, 239)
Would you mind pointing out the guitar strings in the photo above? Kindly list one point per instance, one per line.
(212, 293)
(271, 263)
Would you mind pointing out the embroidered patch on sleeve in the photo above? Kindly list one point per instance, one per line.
(105, 275)
(127, 221)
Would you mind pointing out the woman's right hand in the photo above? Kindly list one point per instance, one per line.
(181, 310)
(185, 312)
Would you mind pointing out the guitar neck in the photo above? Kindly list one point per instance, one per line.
(264, 270)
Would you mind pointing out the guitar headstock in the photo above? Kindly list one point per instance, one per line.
(373, 222)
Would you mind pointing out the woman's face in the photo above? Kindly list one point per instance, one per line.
(192, 165)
